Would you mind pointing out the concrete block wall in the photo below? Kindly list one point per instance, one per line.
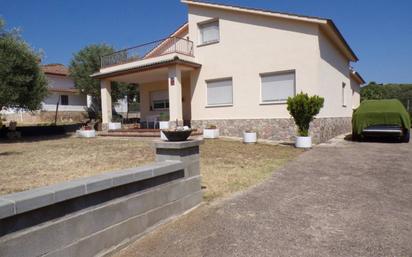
(97, 215)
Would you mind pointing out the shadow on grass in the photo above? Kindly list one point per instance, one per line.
(9, 153)
(34, 139)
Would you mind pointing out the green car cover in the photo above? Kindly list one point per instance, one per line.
(380, 112)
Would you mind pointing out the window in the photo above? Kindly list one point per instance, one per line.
(209, 32)
(277, 87)
(219, 92)
(343, 94)
(159, 100)
(64, 100)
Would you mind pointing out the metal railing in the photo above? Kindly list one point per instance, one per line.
(149, 50)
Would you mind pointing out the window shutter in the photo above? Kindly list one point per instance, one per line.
(210, 32)
(159, 95)
(220, 92)
(277, 87)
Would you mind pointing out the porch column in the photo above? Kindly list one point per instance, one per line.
(175, 94)
(106, 101)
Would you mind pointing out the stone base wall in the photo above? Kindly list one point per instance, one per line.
(46, 116)
(322, 129)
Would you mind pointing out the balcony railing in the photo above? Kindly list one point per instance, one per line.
(149, 50)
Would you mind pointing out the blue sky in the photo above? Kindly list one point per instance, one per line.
(379, 31)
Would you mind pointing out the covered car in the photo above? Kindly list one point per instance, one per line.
(378, 117)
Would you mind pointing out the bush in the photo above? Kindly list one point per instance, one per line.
(303, 109)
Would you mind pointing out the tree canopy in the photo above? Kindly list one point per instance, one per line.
(402, 92)
(22, 82)
(86, 62)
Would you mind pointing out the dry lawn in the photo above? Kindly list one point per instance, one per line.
(226, 166)
(231, 166)
(28, 164)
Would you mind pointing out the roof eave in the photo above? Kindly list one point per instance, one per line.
(175, 60)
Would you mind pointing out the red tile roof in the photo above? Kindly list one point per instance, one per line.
(55, 69)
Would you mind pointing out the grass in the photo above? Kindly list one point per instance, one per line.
(226, 166)
(231, 166)
(27, 165)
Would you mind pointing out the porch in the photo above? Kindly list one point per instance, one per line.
(164, 70)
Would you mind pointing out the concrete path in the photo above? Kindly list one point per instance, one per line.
(339, 199)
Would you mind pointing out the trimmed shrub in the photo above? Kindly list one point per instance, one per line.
(303, 109)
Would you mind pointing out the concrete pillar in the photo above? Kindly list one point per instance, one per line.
(175, 94)
(186, 151)
(106, 102)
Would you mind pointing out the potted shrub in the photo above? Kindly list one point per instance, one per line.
(249, 137)
(211, 131)
(303, 109)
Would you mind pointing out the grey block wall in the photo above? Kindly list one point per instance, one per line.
(109, 225)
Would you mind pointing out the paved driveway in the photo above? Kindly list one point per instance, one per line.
(344, 199)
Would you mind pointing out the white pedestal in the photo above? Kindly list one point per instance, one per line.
(115, 125)
(210, 133)
(249, 137)
(163, 125)
(303, 142)
(86, 133)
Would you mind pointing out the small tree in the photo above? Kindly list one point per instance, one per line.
(86, 62)
(132, 92)
(303, 109)
(22, 83)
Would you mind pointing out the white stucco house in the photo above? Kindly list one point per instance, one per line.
(234, 67)
(62, 90)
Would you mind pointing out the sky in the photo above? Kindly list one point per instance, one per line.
(379, 31)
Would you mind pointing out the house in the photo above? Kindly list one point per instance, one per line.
(62, 91)
(72, 104)
(234, 67)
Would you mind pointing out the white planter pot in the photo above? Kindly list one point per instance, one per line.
(210, 133)
(249, 137)
(303, 142)
(86, 133)
(163, 125)
(115, 125)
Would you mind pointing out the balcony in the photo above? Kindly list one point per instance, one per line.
(153, 49)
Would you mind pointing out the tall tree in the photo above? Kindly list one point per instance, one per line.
(86, 62)
(22, 82)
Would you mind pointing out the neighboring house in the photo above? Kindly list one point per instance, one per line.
(235, 67)
(72, 103)
(62, 90)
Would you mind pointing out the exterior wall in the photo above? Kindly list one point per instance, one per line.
(146, 88)
(321, 129)
(76, 102)
(250, 45)
(355, 93)
(60, 82)
(333, 71)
